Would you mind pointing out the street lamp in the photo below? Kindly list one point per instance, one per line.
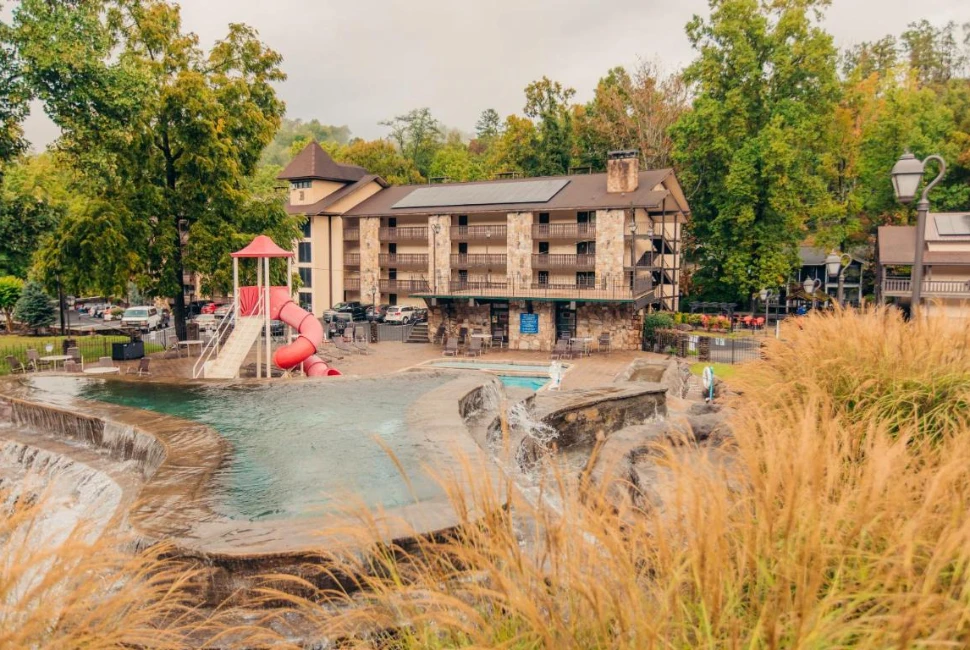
(633, 252)
(766, 295)
(811, 285)
(435, 228)
(836, 263)
(907, 174)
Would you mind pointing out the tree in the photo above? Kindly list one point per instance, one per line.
(164, 133)
(10, 290)
(456, 162)
(936, 54)
(489, 125)
(749, 150)
(382, 158)
(278, 151)
(24, 221)
(34, 309)
(866, 58)
(418, 135)
(547, 104)
(14, 98)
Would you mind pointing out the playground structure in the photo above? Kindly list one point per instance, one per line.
(253, 310)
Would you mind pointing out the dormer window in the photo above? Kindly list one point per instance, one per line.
(300, 185)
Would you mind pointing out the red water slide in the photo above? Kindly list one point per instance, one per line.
(303, 349)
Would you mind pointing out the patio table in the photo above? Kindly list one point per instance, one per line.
(55, 358)
(188, 345)
(587, 342)
(486, 338)
(102, 370)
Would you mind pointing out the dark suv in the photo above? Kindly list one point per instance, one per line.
(376, 313)
(336, 322)
(355, 309)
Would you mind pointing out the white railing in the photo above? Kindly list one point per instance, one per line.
(211, 347)
(893, 285)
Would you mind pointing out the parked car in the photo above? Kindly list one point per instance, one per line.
(354, 308)
(222, 311)
(112, 313)
(399, 314)
(210, 308)
(144, 318)
(335, 322)
(376, 313)
(420, 314)
(206, 322)
(194, 308)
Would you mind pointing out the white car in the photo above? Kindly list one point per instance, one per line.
(396, 314)
(207, 322)
(143, 318)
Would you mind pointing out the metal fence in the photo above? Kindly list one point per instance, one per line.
(706, 347)
(387, 332)
(91, 348)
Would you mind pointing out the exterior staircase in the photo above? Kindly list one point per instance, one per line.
(234, 350)
(419, 333)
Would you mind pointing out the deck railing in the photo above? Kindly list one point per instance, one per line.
(477, 260)
(404, 233)
(903, 286)
(563, 261)
(564, 231)
(403, 259)
(351, 234)
(619, 287)
(478, 233)
(405, 287)
(351, 259)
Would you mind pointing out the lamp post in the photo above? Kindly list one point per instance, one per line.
(633, 252)
(766, 296)
(811, 285)
(836, 263)
(435, 229)
(488, 267)
(907, 174)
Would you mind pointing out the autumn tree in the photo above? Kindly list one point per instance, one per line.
(547, 103)
(164, 132)
(418, 135)
(379, 157)
(765, 87)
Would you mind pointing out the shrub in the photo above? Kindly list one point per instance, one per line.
(10, 290)
(654, 322)
(34, 308)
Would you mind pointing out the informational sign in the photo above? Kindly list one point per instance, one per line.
(528, 323)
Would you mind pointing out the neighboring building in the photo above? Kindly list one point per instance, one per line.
(946, 260)
(481, 254)
(813, 267)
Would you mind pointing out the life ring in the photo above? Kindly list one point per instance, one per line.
(708, 377)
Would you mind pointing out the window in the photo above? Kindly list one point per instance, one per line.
(303, 253)
(543, 217)
(392, 298)
(462, 219)
(392, 222)
(306, 300)
(586, 248)
(543, 248)
(586, 217)
(392, 249)
(585, 278)
(300, 185)
(463, 248)
(392, 274)
(463, 276)
(306, 276)
(543, 278)
(306, 228)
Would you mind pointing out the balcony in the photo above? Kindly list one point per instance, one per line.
(400, 260)
(406, 287)
(351, 234)
(477, 261)
(620, 288)
(478, 233)
(564, 231)
(563, 261)
(902, 287)
(409, 233)
(351, 259)
(352, 284)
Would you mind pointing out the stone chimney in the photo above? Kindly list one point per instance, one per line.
(622, 171)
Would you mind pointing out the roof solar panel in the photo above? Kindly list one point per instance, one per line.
(434, 196)
(952, 224)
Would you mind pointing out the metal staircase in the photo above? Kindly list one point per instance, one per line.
(418, 333)
(233, 353)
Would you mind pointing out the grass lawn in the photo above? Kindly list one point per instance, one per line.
(722, 370)
(92, 346)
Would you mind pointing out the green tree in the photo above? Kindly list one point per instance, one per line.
(456, 162)
(14, 97)
(165, 133)
(547, 104)
(278, 151)
(10, 290)
(34, 308)
(489, 125)
(418, 135)
(866, 58)
(24, 221)
(382, 158)
(937, 54)
(765, 87)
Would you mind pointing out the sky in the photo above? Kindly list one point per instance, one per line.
(357, 63)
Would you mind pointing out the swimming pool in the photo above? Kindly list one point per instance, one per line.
(524, 381)
(298, 448)
(534, 369)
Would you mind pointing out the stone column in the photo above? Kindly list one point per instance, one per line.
(610, 246)
(439, 252)
(519, 260)
(370, 249)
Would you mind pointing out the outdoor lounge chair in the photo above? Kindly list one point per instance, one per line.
(142, 369)
(105, 362)
(362, 346)
(71, 367)
(16, 365)
(474, 347)
(439, 335)
(35, 362)
(343, 346)
(561, 350)
(451, 347)
(604, 343)
(75, 354)
(498, 338)
(462, 336)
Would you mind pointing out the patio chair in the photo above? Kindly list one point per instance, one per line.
(34, 362)
(463, 336)
(498, 338)
(71, 367)
(142, 369)
(451, 347)
(105, 362)
(16, 365)
(362, 346)
(348, 334)
(75, 354)
(561, 349)
(343, 346)
(474, 348)
(604, 344)
(439, 335)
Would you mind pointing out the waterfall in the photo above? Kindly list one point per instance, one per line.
(125, 442)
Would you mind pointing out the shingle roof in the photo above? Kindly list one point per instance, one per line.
(315, 163)
(320, 207)
(897, 245)
(583, 192)
(812, 256)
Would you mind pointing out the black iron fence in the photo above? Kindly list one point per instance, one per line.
(705, 347)
(14, 352)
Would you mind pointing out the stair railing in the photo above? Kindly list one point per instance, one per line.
(211, 347)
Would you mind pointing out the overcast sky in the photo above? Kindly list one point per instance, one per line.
(357, 63)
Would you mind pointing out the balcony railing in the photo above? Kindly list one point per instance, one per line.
(405, 287)
(352, 284)
(351, 234)
(478, 233)
(351, 259)
(564, 231)
(477, 260)
(621, 287)
(408, 233)
(942, 288)
(403, 259)
(563, 261)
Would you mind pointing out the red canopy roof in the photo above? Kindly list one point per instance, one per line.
(262, 246)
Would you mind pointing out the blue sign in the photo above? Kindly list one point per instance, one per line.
(528, 323)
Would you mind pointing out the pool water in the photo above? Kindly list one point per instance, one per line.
(297, 448)
(537, 369)
(520, 381)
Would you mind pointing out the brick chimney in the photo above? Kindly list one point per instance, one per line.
(622, 171)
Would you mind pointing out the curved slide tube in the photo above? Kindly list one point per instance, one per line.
(303, 349)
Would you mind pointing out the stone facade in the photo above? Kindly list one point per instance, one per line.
(370, 249)
(439, 246)
(622, 174)
(610, 231)
(545, 339)
(624, 326)
(519, 257)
